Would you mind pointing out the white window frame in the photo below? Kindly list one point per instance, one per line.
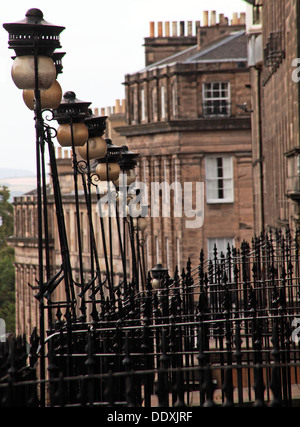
(208, 111)
(219, 179)
(221, 244)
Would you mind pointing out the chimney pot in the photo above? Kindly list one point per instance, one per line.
(181, 28)
(152, 30)
(167, 29)
(205, 18)
(198, 34)
(117, 109)
(213, 20)
(174, 28)
(190, 28)
(235, 19)
(159, 29)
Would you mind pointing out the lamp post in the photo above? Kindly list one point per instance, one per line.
(127, 163)
(108, 170)
(34, 41)
(72, 132)
(94, 148)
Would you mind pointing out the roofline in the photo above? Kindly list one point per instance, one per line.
(217, 44)
(164, 62)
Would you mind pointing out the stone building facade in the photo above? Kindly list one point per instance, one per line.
(186, 117)
(274, 49)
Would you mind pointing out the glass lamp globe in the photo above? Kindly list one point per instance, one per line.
(23, 72)
(131, 176)
(50, 98)
(64, 134)
(108, 172)
(155, 283)
(140, 223)
(97, 148)
(128, 180)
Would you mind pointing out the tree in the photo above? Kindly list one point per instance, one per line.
(7, 272)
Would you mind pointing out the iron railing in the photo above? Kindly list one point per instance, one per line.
(224, 333)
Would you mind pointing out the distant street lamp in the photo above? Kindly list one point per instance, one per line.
(73, 132)
(158, 273)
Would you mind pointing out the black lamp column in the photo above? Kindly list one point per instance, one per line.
(127, 162)
(94, 148)
(72, 132)
(34, 41)
(108, 170)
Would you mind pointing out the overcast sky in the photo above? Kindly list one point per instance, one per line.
(103, 41)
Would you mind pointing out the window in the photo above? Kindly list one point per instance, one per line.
(219, 179)
(216, 99)
(167, 253)
(173, 100)
(257, 12)
(178, 255)
(163, 103)
(157, 250)
(132, 105)
(143, 115)
(221, 243)
(153, 104)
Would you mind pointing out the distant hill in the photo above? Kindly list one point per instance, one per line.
(18, 181)
(15, 173)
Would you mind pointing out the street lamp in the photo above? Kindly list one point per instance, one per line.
(108, 168)
(127, 163)
(34, 41)
(158, 273)
(94, 148)
(73, 132)
(70, 115)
